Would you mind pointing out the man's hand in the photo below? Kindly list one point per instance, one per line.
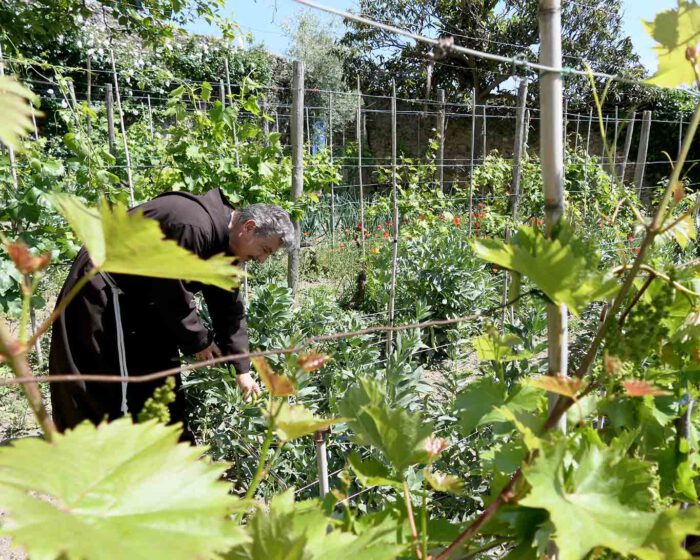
(208, 353)
(248, 385)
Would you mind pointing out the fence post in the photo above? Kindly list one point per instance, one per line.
(483, 131)
(321, 461)
(123, 129)
(515, 179)
(150, 115)
(89, 91)
(613, 164)
(395, 223)
(642, 153)
(109, 106)
(566, 123)
(222, 93)
(552, 156)
(359, 167)
(622, 171)
(471, 161)
(526, 131)
(297, 140)
(234, 126)
(441, 131)
(330, 147)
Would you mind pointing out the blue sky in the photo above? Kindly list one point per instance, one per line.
(264, 20)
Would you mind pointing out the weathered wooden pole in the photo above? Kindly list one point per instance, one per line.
(626, 151)
(330, 148)
(471, 161)
(552, 157)
(129, 178)
(234, 127)
(150, 115)
(359, 167)
(639, 168)
(395, 223)
(89, 91)
(441, 132)
(109, 108)
(297, 141)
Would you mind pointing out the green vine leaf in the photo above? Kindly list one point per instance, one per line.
(15, 110)
(130, 243)
(116, 491)
(674, 32)
(563, 268)
(295, 421)
(602, 499)
(300, 531)
(372, 472)
(400, 435)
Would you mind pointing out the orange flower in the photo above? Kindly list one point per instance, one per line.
(374, 250)
(342, 246)
(386, 234)
(455, 221)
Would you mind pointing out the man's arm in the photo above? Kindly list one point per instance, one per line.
(227, 314)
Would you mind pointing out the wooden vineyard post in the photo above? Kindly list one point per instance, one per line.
(222, 93)
(234, 126)
(471, 161)
(123, 129)
(565, 126)
(642, 153)
(297, 140)
(395, 223)
(518, 146)
(578, 124)
(526, 131)
(322, 461)
(483, 132)
(552, 156)
(89, 91)
(626, 150)
(613, 163)
(330, 148)
(109, 108)
(441, 132)
(150, 115)
(359, 167)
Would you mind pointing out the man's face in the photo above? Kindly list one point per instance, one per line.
(248, 246)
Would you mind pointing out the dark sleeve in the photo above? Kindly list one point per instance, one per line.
(175, 303)
(227, 314)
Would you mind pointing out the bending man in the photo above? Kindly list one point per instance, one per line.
(158, 318)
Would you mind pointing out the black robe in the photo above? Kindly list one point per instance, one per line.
(159, 318)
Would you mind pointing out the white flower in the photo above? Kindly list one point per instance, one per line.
(64, 104)
(50, 92)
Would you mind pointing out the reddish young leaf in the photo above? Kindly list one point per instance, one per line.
(278, 385)
(566, 386)
(639, 388)
(434, 446)
(311, 361)
(25, 262)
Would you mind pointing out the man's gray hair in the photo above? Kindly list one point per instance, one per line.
(270, 220)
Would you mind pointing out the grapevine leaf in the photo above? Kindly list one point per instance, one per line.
(294, 421)
(123, 242)
(442, 482)
(116, 491)
(15, 110)
(666, 537)
(566, 386)
(491, 346)
(674, 31)
(371, 472)
(683, 232)
(564, 269)
(640, 388)
(477, 400)
(603, 501)
(397, 433)
(300, 531)
(278, 385)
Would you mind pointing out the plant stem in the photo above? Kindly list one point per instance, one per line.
(411, 519)
(17, 360)
(258, 476)
(424, 524)
(62, 306)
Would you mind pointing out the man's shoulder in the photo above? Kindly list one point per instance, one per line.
(178, 208)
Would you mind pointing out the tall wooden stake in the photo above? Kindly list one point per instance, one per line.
(441, 132)
(297, 140)
(518, 146)
(89, 91)
(578, 124)
(639, 168)
(622, 171)
(552, 157)
(359, 167)
(613, 163)
(129, 178)
(109, 108)
(483, 132)
(150, 115)
(330, 147)
(471, 161)
(234, 126)
(395, 223)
